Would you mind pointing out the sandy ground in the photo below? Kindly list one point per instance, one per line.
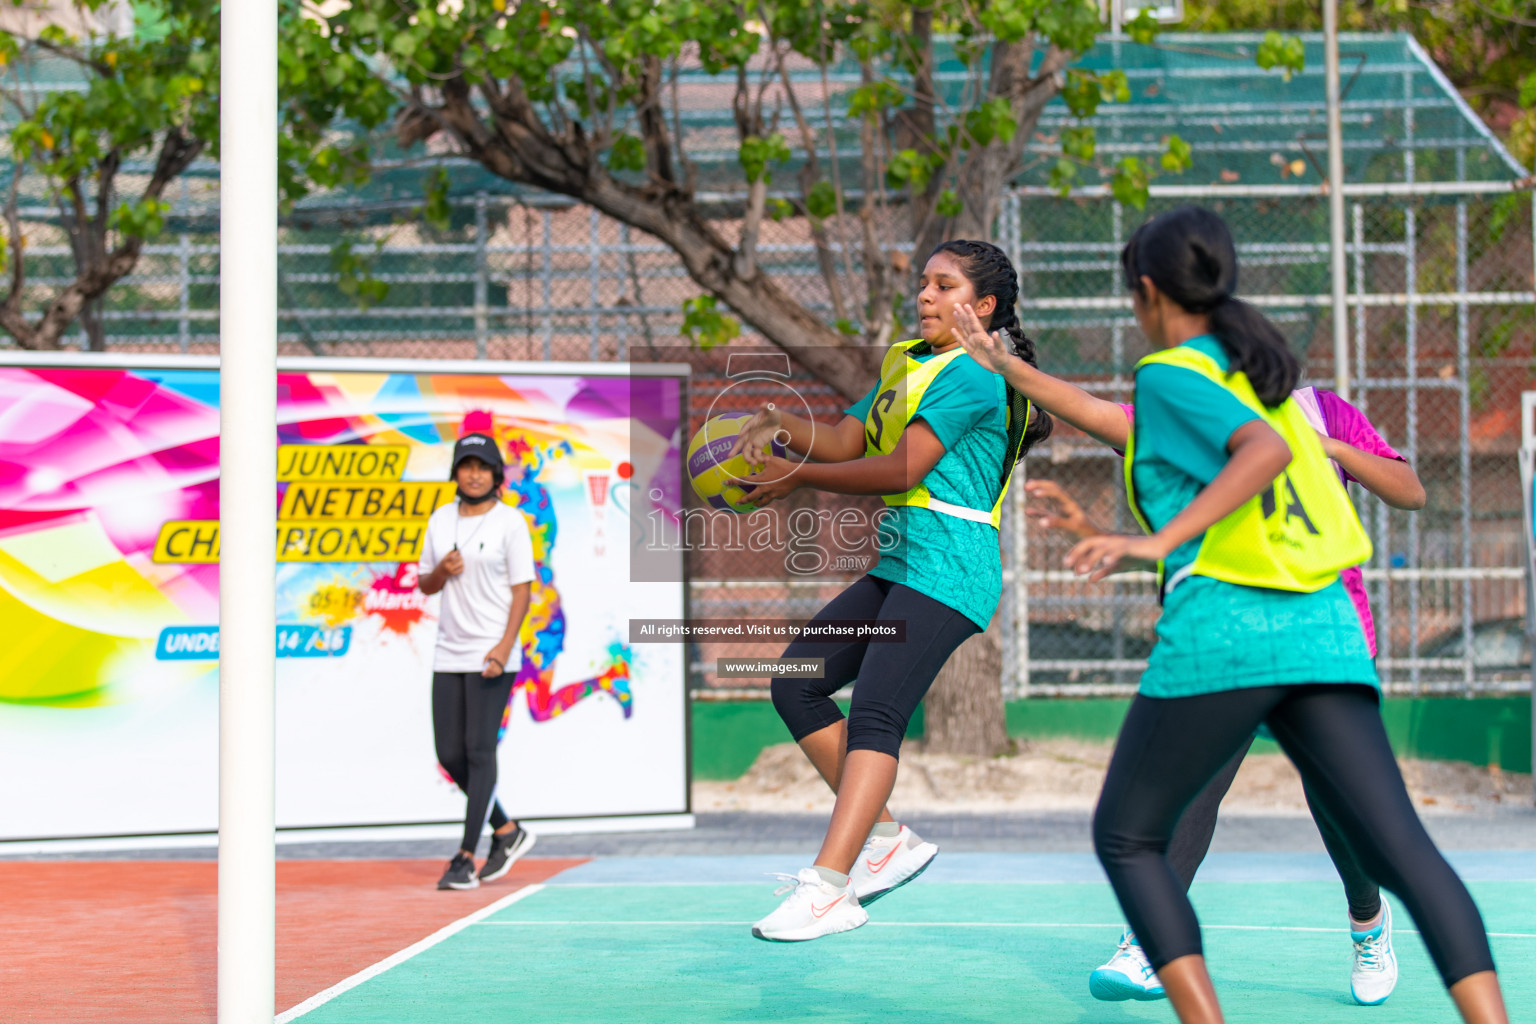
(1064, 774)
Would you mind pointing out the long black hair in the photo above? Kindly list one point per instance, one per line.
(1189, 254)
(991, 273)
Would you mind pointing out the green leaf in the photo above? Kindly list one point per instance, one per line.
(1064, 176)
(705, 325)
(1177, 157)
(821, 200)
(873, 97)
(992, 120)
(354, 274)
(1080, 92)
(949, 204)
(150, 24)
(845, 326)
(627, 154)
(1080, 143)
(1115, 87)
(1143, 28)
(142, 219)
(757, 153)
(436, 210)
(778, 209)
(1528, 90)
(1284, 52)
(1129, 184)
(1085, 90)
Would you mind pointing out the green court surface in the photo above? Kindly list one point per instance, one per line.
(980, 938)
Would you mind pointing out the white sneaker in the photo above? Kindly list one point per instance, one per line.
(1373, 974)
(888, 863)
(814, 908)
(1128, 975)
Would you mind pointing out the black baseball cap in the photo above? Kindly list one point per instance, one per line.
(480, 446)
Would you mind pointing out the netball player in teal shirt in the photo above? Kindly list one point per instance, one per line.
(937, 437)
(1279, 650)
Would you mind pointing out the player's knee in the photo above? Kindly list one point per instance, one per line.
(1113, 842)
(792, 698)
(875, 730)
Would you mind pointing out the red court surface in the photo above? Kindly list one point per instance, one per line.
(135, 941)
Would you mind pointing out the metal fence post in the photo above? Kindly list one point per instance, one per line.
(1464, 415)
(546, 275)
(1337, 269)
(482, 290)
(1021, 584)
(1411, 373)
(594, 285)
(184, 287)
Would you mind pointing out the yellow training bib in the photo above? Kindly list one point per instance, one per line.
(1295, 535)
(904, 379)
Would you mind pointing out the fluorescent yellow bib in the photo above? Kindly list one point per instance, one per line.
(1294, 536)
(903, 381)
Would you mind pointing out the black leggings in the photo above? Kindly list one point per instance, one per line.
(1192, 840)
(466, 716)
(1170, 749)
(892, 677)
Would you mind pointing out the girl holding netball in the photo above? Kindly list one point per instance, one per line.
(1248, 529)
(937, 437)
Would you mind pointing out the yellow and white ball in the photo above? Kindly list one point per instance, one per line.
(710, 470)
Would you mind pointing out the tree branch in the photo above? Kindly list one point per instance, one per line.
(690, 171)
(11, 315)
(877, 277)
(810, 171)
(653, 123)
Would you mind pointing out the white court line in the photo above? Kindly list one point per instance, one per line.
(965, 924)
(395, 959)
(754, 882)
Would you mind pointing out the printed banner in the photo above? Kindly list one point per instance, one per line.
(109, 546)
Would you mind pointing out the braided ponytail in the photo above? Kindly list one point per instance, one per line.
(991, 273)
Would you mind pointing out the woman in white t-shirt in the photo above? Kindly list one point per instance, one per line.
(479, 555)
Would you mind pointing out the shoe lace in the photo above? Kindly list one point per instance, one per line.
(791, 883)
(1369, 953)
(1131, 950)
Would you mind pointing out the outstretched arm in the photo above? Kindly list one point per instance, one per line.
(1101, 420)
(1258, 455)
(1391, 480)
(1053, 508)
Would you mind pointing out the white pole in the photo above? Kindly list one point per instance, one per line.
(1336, 199)
(247, 511)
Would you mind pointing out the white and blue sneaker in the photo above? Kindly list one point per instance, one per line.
(1373, 974)
(1127, 975)
(812, 909)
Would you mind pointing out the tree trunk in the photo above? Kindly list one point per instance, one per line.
(963, 712)
(95, 329)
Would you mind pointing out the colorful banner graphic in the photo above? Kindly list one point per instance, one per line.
(109, 544)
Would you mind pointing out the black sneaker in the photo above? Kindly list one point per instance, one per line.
(504, 851)
(460, 873)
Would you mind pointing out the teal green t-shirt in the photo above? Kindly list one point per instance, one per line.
(954, 561)
(1215, 635)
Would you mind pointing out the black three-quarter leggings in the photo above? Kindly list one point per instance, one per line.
(1170, 748)
(892, 677)
(1192, 840)
(466, 716)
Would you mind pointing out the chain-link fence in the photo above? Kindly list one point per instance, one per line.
(1440, 257)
